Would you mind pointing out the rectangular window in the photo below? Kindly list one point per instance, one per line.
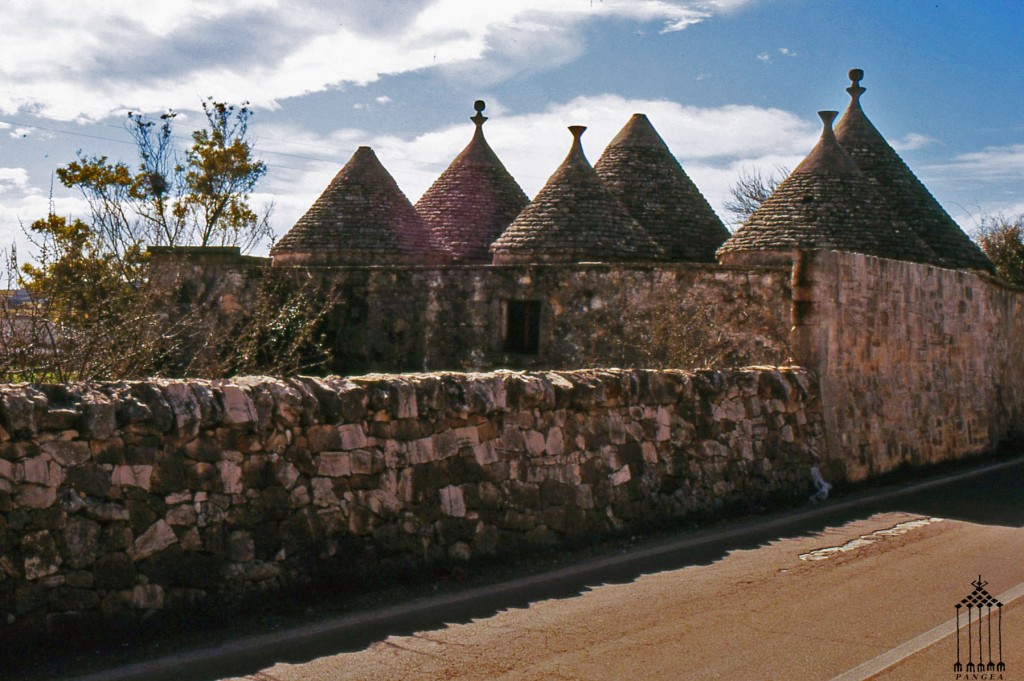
(522, 327)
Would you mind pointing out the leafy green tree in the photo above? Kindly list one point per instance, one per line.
(200, 198)
(1002, 239)
(89, 276)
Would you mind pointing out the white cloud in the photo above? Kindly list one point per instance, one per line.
(991, 163)
(765, 57)
(23, 205)
(712, 144)
(101, 58)
(786, 52)
(911, 141)
(383, 99)
(12, 178)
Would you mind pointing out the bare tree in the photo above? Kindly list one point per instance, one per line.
(751, 189)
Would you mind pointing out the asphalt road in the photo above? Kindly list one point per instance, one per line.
(736, 601)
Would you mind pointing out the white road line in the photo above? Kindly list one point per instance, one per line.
(914, 645)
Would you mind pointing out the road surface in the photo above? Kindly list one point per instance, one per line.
(861, 587)
(762, 614)
(870, 597)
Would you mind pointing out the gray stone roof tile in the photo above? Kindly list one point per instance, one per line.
(827, 203)
(574, 218)
(909, 198)
(362, 218)
(638, 168)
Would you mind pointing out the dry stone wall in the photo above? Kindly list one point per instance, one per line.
(917, 364)
(124, 499)
(401, 319)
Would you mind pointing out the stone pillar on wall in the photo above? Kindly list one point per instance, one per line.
(813, 311)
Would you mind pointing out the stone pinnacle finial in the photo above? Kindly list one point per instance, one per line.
(577, 133)
(827, 117)
(855, 89)
(479, 106)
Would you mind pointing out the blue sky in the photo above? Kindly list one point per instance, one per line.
(729, 84)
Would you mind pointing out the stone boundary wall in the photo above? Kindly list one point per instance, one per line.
(123, 499)
(917, 364)
(453, 318)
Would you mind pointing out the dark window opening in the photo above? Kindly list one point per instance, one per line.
(522, 327)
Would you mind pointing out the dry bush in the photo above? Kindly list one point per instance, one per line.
(696, 329)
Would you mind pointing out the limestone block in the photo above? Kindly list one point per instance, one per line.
(335, 464)
(621, 476)
(68, 453)
(157, 538)
(148, 597)
(231, 476)
(81, 538)
(105, 512)
(420, 451)
(17, 409)
(383, 504)
(534, 442)
(40, 555)
(787, 434)
(35, 470)
(554, 443)
(323, 492)
(362, 462)
(89, 479)
(185, 409)
(526, 391)
(182, 515)
(406, 486)
(35, 496)
(511, 438)
(99, 416)
(452, 502)
(405, 397)
(352, 436)
(288, 402)
(468, 436)
(286, 473)
(239, 409)
(584, 496)
(445, 445)
(132, 476)
(485, 453)
(650, 452)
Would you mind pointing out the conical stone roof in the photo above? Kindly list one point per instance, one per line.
(909, 198)
(362, 218)
(574, 218)
(473, 200)
(826, 203)
(638, 168)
